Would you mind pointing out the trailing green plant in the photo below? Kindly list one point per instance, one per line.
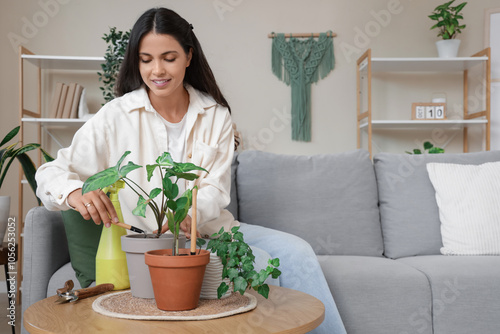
(113, 57)
(12, 151)
(428, 148)
(237, 260)
(171, 207)
(447, 19)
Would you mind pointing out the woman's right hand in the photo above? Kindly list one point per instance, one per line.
(94, 204)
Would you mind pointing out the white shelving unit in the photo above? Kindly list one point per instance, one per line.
(368, 65)
(35, 117)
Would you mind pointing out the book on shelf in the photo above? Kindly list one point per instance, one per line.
(54, 102)
(65, 100)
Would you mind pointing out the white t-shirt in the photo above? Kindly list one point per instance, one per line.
(176, 134)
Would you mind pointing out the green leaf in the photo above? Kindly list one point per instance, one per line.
(171, 221)
(165, 160)
(128, 168)
(155, 192)
(10, 135)
(149, 170)
(264, 290)
(121, 159)
(222, 289)
(47, 157)
(247, 266)
(187, 167)
(276, 273)
(140, 209)
(238, 236)
(232, 272)
(436, 150)
(428, 145)
(200, 242)
(417, 151)
(180, 215)
(240, 284)
(275, 262)
(29, 171)
(100, 180)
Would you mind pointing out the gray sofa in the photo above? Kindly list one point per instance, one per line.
(374, 226)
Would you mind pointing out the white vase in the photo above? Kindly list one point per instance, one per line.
(448, 48)
(213, 278)
(4, 215)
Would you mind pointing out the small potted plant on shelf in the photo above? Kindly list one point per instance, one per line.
(166, 205)
(429, 148)
(449, 27)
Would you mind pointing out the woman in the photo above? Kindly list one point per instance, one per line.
(169, 101)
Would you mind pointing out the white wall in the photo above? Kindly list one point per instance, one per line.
(233, 34)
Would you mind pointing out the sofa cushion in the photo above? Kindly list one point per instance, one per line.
(83, 240)
(378, 295)
(468, 198)
(233, 205)
(465, 292)
(408, 208)
(328, 200)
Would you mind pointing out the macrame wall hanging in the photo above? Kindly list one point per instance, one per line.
(299, 60)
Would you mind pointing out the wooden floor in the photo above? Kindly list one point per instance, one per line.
(4, 321)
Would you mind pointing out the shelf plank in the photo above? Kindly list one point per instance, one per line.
(416, 124)
(47, 62)
(423, 64)
(56, 121)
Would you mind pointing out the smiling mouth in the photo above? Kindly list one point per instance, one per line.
(160, 82)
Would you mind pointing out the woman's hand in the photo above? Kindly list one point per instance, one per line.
(185, 226)
(95, 205)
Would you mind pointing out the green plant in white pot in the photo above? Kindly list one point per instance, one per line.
(164, 201)
(448, 25)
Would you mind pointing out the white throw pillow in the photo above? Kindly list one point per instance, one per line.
(468, 197)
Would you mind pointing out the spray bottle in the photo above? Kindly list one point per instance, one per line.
(110, 261)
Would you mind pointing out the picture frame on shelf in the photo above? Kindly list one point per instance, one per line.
(428, 111)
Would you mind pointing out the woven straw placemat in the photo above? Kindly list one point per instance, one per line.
(123, 305)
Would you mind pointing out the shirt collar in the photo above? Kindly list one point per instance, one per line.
(198, 101)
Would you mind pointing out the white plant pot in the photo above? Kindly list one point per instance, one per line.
(4, 215)
(448, 48)
(213, 278)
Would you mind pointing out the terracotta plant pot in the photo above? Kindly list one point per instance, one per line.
(177, 280)
(135, 245)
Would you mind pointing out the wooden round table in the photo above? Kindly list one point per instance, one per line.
(286, 311)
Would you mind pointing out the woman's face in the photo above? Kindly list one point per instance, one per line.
(162, 64)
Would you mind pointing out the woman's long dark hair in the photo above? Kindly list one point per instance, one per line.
(165, 21)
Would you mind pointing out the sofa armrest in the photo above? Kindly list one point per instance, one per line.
(45, 250)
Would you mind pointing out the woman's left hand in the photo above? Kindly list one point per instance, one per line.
(185, 226)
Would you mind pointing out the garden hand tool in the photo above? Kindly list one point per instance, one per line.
(66, 294)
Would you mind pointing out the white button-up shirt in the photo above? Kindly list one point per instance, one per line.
(129, 123)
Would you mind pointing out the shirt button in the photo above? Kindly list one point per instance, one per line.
(60, 196)
(47, 193)
(190, 155)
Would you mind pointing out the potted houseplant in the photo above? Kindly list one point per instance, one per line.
(7, 156)
(237, 259)
(429, 148)
(449, 27)
(115, 52)
(170, 207)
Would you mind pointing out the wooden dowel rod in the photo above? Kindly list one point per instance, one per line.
(303, 35)
(193, 223)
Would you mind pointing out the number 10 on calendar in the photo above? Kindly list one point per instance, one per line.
(428, 111)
